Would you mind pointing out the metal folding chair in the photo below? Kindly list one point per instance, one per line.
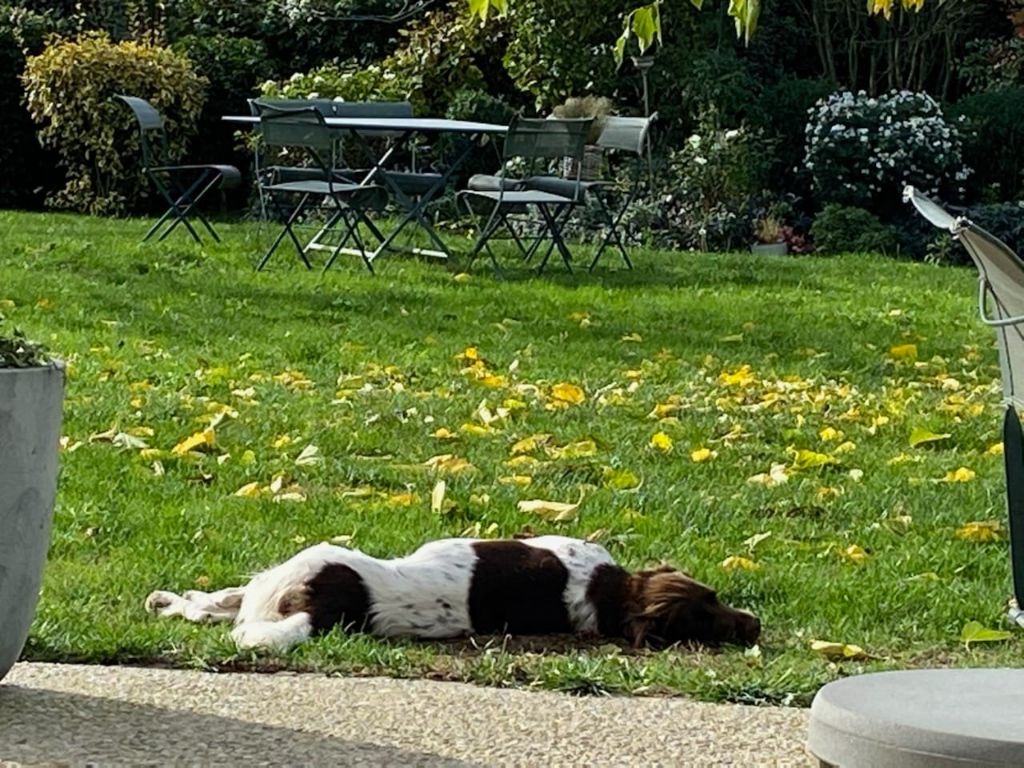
(181, 186)
(286, 130)
(620, 134)
(533, 139)
(1001, 307)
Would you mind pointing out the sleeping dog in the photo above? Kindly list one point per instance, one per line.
(455, 587)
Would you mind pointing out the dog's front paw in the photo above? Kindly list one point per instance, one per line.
(158, 601)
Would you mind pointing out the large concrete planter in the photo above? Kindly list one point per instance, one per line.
(30, 417)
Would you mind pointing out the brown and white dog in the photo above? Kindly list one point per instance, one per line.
(455, 587)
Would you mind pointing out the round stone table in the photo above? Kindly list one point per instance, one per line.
(929, 718)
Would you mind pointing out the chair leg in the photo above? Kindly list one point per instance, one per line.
(556, 235)
(1013, 455)
(177, 197)
(614, 234)
(287, 230)
(191, 200)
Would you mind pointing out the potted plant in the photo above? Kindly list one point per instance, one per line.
(769, 233)
(31, 397)
(576, 107)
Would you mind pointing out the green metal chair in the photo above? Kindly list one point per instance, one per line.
(531, 139)
(181, 186)
(1001, 307)
(304, 129)
(627, 135)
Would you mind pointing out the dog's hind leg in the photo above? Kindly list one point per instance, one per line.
(274, 635)
(198, 607)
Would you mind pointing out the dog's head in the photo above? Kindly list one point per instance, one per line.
(670, 607)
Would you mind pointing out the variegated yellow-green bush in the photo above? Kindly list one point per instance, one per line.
(70, 90)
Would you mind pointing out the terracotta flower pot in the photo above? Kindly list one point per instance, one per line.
(30, 417)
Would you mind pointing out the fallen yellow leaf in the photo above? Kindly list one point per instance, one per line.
(206, 438)
(437, 497)
(661, 442)
(519, 480)
(553, 511)
(739, 563)
(839, 651)
(578, 450)
(443, 433)
(529, 444)
(702, 454)
(249, 491)
(959, 475)
(804, 459)
(568, 393)
(981, 531)
(777, 475)
(854, 554)
(907, 352)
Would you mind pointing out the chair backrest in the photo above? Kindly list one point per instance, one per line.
(302, 128)
(629, 134)
(1000, 291)
(151, 129)
(538, 138)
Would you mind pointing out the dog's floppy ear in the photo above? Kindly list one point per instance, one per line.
(661, 596)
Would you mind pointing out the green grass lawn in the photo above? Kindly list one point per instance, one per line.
(822, 366)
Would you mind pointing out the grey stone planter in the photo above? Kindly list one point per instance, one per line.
(30, 417)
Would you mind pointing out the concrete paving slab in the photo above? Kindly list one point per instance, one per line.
(72, 715)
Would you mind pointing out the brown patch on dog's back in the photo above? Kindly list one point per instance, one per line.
(336, 595)
(518, 589)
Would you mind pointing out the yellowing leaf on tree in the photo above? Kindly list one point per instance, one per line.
(619, 479)
(739, 563)
(578, 450)
(569, 394)
(920, 436)
(981, 531)
(839, 651)
(249, 491)
(529, 444)
(205, 439)
(976, 632)
(553, 511)
(804, 459)
(702, 454)
(661, 442)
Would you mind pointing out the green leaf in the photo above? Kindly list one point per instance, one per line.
(746, 13)
(645, 25)
(620, 46)
(975, 632)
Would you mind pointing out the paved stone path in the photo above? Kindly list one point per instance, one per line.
(73, 715)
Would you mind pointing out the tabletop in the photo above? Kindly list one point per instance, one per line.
(394, 124)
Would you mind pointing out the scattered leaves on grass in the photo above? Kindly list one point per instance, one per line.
(804, 459)
(904, 352)
(976, 632)
(207, 438)
(565, 394)
(854, 554)
(309, 455)
(700, 455)
(619, 479)
(777, 475)
(437, 497)
(448, 462)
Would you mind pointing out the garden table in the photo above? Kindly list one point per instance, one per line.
(403, 129)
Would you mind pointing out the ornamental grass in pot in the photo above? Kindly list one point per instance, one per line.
(31, 399)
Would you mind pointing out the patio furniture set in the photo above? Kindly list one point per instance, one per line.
(304, 171)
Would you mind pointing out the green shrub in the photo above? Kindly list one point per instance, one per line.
(994, 143)
(235, 67)
(844, 229)
(28, 171)
(70, 88)
(348, 83)
(862, 150)
(478, 106)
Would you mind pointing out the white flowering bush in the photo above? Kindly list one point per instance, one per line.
(343, 83)
(862, 150)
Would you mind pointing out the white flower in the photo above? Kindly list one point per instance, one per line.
(732, 134)
(700, 160)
